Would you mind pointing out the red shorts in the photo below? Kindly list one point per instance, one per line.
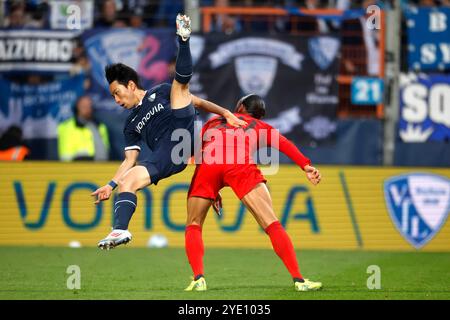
(208, 179)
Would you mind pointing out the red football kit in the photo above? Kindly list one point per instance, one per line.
(227, 156)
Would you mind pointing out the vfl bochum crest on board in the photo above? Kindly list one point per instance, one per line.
(418, 204)
(256, 61)
(323, 50)
(256, 73)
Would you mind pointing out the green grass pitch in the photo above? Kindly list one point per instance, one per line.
(141, 273)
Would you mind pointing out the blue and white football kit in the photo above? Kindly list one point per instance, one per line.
(153, 121)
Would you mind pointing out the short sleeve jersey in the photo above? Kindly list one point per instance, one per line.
(149, 120)
(255, 135)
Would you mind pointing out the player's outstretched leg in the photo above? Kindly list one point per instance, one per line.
(284, 248)
(179, 95)
(183, 64)
(197, 211)
(195, 251)
(124, 207)
(259, 203)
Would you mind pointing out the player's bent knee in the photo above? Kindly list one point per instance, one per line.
(126, 185)
(194, 221)
(179, 90)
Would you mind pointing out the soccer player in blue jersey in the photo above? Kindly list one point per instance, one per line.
(155, 115)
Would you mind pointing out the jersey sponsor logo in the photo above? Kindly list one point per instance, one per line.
(147, 117)
(323, 50)
(418, 205)
(152, 97)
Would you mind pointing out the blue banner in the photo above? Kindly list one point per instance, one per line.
(148, 51)
(428, 32)
(38, 109)
(424, 108)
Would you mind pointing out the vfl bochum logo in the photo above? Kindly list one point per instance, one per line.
(323, 50)
(418, 205)
(256, 73)
(256, 61)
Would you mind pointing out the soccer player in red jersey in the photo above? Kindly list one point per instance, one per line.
(227, 161)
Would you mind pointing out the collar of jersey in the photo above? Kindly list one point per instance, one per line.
(142, 99)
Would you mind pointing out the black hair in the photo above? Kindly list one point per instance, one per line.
(122, 74)
(254, 105)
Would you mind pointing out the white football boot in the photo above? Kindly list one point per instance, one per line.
(183, 26)
(307, 285)
(114, 239)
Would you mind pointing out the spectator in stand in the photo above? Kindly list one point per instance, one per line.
(26, 14)
(82, 137)
(167, 12)
(82, 64)
(81, 61)
(306, 24)
(12, 147)
(223, 22)
(39, 14)
(137, 12)
(136, 18)
(109, 16)
(16, 18)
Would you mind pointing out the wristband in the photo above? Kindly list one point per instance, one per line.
(112, 184)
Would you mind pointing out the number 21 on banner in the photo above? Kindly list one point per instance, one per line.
(367, 90)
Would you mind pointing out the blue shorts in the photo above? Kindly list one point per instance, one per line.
(160, 164)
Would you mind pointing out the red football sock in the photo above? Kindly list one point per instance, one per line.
(283, 248)
(194, 248)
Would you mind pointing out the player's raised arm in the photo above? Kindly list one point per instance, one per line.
(280, 142)
(104, 193)
(214, 108)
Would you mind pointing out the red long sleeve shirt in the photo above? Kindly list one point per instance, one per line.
(223, 143)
